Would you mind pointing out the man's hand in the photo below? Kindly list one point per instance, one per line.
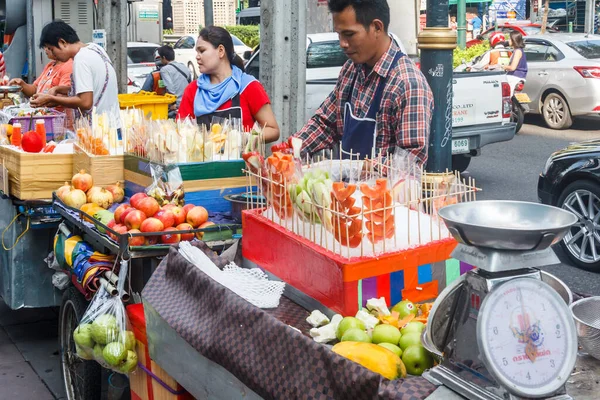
(16, 82)
(42, 100)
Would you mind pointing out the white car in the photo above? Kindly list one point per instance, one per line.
(185, 51)
(140, 63)
(324, 61)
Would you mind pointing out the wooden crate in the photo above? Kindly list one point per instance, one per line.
(106, 170)
(35, 175)
(205, 183)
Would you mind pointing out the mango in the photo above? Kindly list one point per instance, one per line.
(373, 357)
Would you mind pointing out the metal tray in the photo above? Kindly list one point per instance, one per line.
(10, 89)
(507, 225)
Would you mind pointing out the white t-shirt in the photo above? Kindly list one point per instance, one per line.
(90, 75)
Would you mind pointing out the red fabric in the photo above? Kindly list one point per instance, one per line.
(135, 312)
(252, 99)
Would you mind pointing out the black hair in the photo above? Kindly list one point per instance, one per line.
(218, 36)
(55, 31)
(166, 52)
(366, 10)
(517, 40)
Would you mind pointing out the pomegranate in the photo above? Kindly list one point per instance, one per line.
(75, 198)
(117, 191)
(102, 197)
(82, 181)
(63, 190)
(32, 142)
(92, 191)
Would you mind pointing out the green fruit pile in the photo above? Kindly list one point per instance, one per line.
(103, 341)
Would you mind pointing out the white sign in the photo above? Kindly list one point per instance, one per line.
(99, 37)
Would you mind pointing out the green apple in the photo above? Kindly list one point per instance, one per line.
(414, 326)
(386, 334)
(356, 335)
(348, 323)
(409, 339)
(405, 307)
(416, 359)
(393, 348)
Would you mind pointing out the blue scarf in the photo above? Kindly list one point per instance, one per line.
(212, 96)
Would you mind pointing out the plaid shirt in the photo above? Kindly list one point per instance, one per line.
(404, 117)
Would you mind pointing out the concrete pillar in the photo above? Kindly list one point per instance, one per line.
(436, 42)
(112, 16)
(404, 22)
(283, 60)
(590, 12)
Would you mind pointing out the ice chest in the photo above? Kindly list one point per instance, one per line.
(150, 382)
(205, 183)
(35, 175)
(344, 284)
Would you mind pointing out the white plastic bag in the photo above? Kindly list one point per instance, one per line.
(104, 333)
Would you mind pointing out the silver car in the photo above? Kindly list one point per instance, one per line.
(564, 76)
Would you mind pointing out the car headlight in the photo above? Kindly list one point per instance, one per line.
(547, 165)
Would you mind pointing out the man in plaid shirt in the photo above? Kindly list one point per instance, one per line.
(381, 100)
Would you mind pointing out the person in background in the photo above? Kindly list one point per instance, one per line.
(476, 24)
(223, 89)
(170, 77)
(94, 81)
(55, 74)
(516, 70)
(453, 24)
(381, 100)
(497, 56)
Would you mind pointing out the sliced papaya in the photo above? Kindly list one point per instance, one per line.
(341, 192)
(370, 192)
(349, 202)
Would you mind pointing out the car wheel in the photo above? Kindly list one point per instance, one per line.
(460, 162)
(517, 115)
(582, 241)
(556, 113)
(192, 70)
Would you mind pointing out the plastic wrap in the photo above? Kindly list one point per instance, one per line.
(167, 185)
(104, 333)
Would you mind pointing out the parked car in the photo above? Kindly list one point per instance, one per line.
(571, 180)
(140, 63)
(482, 106)
(525, 29)
(185, 51)
(564, 77)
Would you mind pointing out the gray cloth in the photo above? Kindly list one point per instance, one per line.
(174, 80)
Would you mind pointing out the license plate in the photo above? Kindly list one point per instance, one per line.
(460, 146)
(522, 98)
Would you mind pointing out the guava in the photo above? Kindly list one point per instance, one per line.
(105, 329)
(98, 348)
(83, 336)
(84, 354)
(356, 335)
(409, 339)
(348, 323)
(130, 363)
(405, 307)
(114, 353)
(414, 326)
(392, 347)
(386, 334)
(128, 339)
(416, 359)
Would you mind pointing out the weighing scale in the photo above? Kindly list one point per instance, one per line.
(6, 101)
(501, 331)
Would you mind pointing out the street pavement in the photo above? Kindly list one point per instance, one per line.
(510, 170)
(29, 350)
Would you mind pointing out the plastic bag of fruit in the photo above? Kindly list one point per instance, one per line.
(167, 185)
(104, 333)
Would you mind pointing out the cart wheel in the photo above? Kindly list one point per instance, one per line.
(82, 378)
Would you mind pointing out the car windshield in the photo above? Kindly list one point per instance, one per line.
(236, 41)
(141, 54)
(587, 48)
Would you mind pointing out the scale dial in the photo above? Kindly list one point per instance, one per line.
(527, 337)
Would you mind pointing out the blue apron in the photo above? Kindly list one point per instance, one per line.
(360, 134)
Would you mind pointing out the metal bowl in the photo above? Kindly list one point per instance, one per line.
(559, 286)
(243, 201)
(586, 313)
(507, 225)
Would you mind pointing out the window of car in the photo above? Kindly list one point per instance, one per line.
(137, 55)
(587, 48)
(237, 41)
(325, 55)
(185, 43)
(253, 66)
(542, 52)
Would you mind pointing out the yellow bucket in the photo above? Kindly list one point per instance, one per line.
(148, 102)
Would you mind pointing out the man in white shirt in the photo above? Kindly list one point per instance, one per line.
(94, 81)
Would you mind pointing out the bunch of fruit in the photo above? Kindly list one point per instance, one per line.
(103, 341)
(384, 341)
(143, 214)
(82, 191)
